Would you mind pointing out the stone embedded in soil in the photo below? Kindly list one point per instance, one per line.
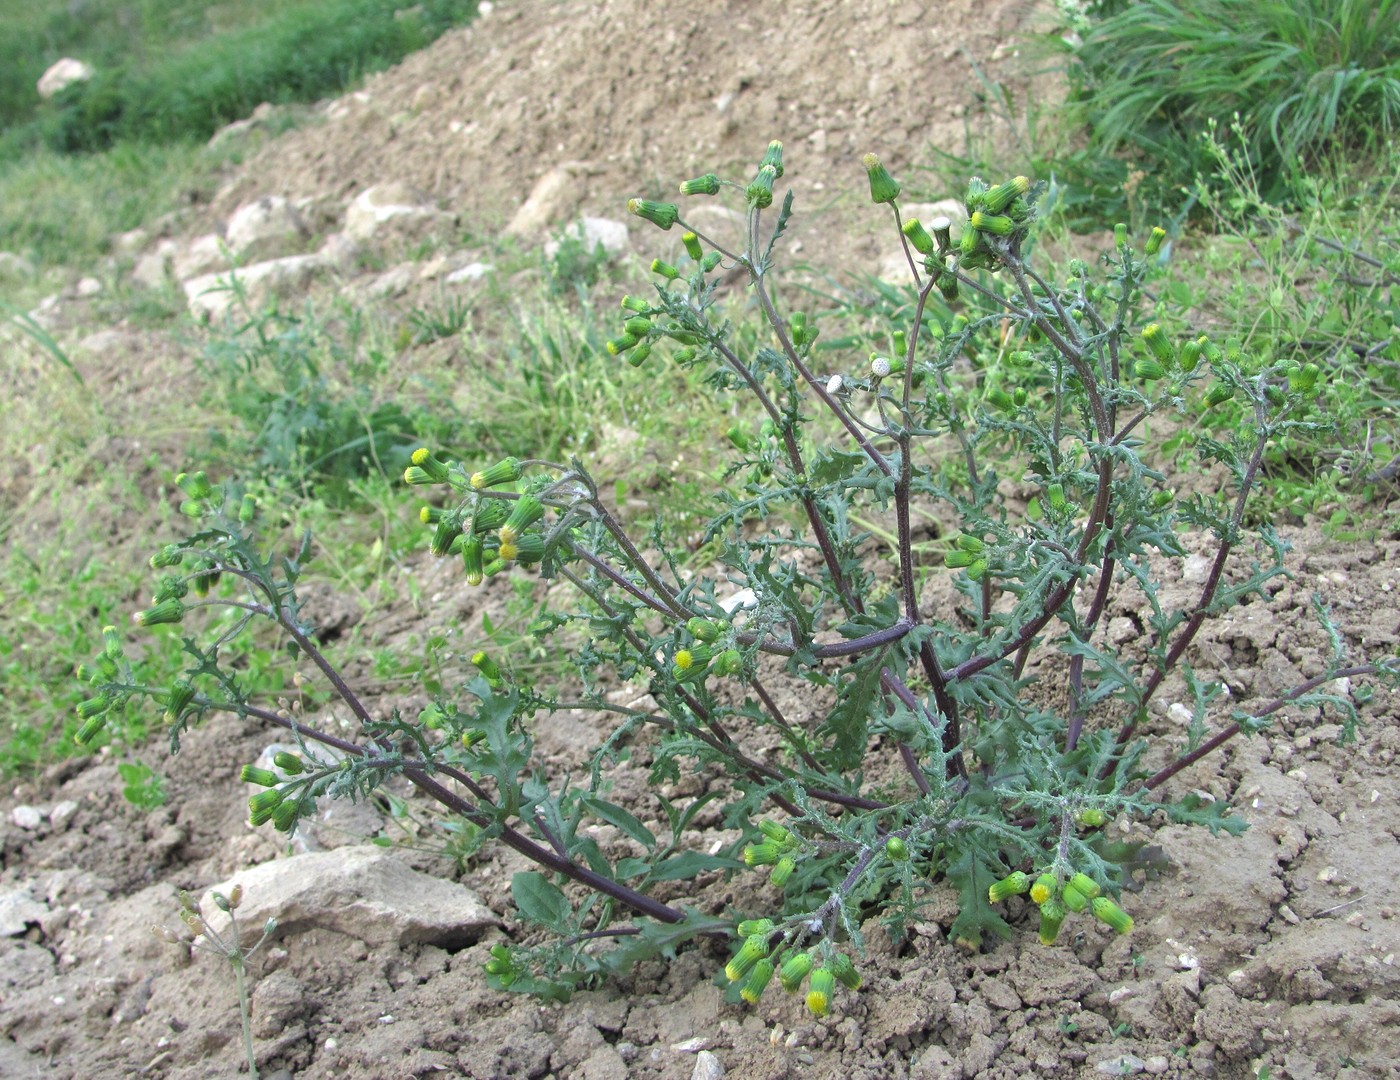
(27, 817)
(19, 910)
(364, 892)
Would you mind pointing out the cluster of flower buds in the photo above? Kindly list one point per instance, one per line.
(501, 967)
(760, 957)
(108, 673)
(778, 849)
(969, 553)
(711, 652)
(1057, 897)
(280, 801)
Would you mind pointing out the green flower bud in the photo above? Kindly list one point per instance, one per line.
(247, 510)
(797, 327)
(196, 485)
(661, 214)
(765, 854)
(692, 246)
(1148, 369)
(782, 871)
(738, 437)
(93, 707)
(760, 191)
(819, 992)
(264, 802)
(1012, 885)
(665, 269)
(967, 244)
(1052, 914)
(729, 662)
(749, 927)
(754, 949)
(488, 668)
(956, 560)
(638, 326)
(491, 514)
(1218, 394)
(448, 529)
(997, 199)
(996, 224)
(845, 971)
(1056, 494)
(288, 762)
(774, 157)
(1085, 885)
(998, 398)
(91, 728)
(526, 511)
(759, 978)
(710, 261)
(978, 570)
(1044, 888)
(896, 850)
(947, 283)
(918, 236)
(177, 699)
(701, 185)
(88, 674)
(1091, 818)
(285, 815)
(167, 611)
(703, 629)
(416, 476)
(170, 555)
(430, 515)
(968, 542)
(776, 832)
(1154, 240)
(635, 303)
(1120, 236)
(1106, 911)
(1159, 344)
(430, 465)
(619, 345)
(794, 970)
(883, 187)
(1191, 354)
(1305, 380)
(1073, 899)
(170, 588)
(251, 774)
(942, 231)
(207, 578)
(471, 559)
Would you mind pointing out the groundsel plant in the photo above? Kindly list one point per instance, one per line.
(868, 745)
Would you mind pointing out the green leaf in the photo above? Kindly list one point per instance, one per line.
(616, 815)
(690, 863)
(849, 721)
(541, 901)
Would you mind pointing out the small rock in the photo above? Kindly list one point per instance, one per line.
(1156, 1064)
(593, 233)
(27, 817)
(554, 198)
(393, 208)
(1196, 569)
(63, 73)
(471, 272)
(707, 1067)
(18, 910)
(1126, 1065)
(265, 229)
(62, 812)
(88, 286)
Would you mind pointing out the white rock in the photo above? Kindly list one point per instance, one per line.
(62, 812)
(202, 255)
(1196, 569)
(552, 200)
(592, 233)
(1127, 1065)
(153, 267)
(707, 1067)
(63, 73)
(88, 286)
(211, 295)
(18, 909)
(744, 598)
(27, 817)
(265, 229)
(1179, 712)
(471, 272)
(363, 892)
(393, 208)
(340, 251)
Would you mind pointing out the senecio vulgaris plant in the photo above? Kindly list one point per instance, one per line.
(984, 745)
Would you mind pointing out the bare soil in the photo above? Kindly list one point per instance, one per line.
(1273, 948)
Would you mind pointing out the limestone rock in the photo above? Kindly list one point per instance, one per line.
(202, 255)
(63, 73)
(593, 233)
(364, 892)
(265, 229)
(18, 909)
(394, 209)
(553, 199)
(211, 295)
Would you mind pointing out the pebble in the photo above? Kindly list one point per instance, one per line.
(27, 817)
(1127, 1065)
(707, 1067)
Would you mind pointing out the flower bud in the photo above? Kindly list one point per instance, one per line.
(896, 850)
(619, 345)
(1154, 240)
(288, 762)
(947, 283)
(1091, 818)
(449, 527)
(471, 559)
(111, 643)
(845, 971)
(749, 927)
(1148, 369)
(264, 802)
(943, 232)
(167, 611)
(999, 399)
(1304, 381)
(91, 728)
(754, 949)
(883, 187)
(93, 707)
(759, 978)
(703, 629)
(997, 199)
(196, 485)
(1044, 888)
(416, 476)
(430, 515)
(1073, 899)
(251, 774)
(996, 224)
(782, 871)
(776, 832)
(1105, 910)
(956, 560)
(665, 269)
(528, 549)
(1011, 885)
(526, 511)
(701, 185)
(430, 465)
(765, 854)
(1120, 236)
(760, 191)
(918, 236)
(1056, 494)
(247, 510)
(284, 817)
(662, 215)
(692, 246)
(1052, 914)
(774, 157)
(978, 570)
(1159, 344)
(710, 261)
(490, 515)
(1085, 885)
(794, 970)
(169, 555)
(797, 327)
(177, 699)
(1191, 354)
(819, 992)
(729, 662)
(635, 303)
